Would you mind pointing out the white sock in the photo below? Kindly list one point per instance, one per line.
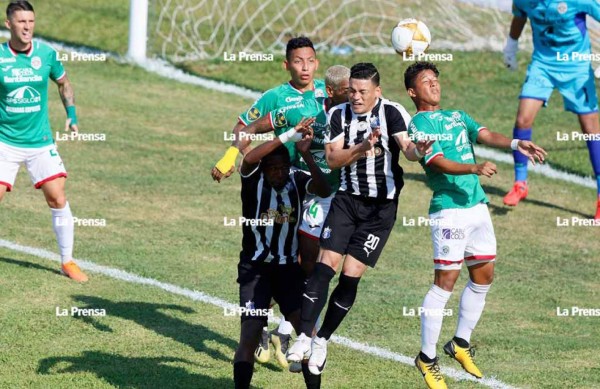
(471, 306)
(431, 325)
(285, 327)
(62, 223)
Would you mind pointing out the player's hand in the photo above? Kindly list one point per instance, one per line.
(597, 72)
(74, 128)
(304, 145)
(486, 168)
(532, 151)
(305, 124)
(373, 137)
(510, 53)
(424, 146)
(218, 176)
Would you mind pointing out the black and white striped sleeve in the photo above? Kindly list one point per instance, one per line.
(335, 130)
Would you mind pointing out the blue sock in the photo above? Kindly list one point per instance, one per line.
(520, 159)
(594, 148)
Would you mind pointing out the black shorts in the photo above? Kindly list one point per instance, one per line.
(259, 282)
(358, 226)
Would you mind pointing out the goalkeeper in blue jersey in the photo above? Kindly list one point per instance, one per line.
(562, 60)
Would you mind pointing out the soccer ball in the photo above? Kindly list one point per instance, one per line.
(411, 36)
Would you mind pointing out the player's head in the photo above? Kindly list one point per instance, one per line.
(276, 166)
(301, 61)
(337, 79)
(422, 85)
(364, 89)
(20, 21)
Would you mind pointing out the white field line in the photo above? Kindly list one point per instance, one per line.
(490, 382)
(166, 70)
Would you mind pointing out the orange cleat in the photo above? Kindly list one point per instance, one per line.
(71, 270)
(518, 192)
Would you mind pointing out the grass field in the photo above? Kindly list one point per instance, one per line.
(164, 216)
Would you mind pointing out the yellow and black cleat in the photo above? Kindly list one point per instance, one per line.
(431, 373)
(262, 354)
(464, 356)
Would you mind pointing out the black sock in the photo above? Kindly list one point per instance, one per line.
(242, 374)
(461, 342)
(316, 290)
(340, 302)
(425, 358)
(312, 381)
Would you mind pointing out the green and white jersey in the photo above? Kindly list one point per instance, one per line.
(24, 94)
(285, 96)
(454, 133)
(312, 105)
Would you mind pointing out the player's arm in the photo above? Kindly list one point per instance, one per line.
(335, 154)
(295, 134)
(67, 95)
(527, 148)
(447, 166)
(318, 184)
(512, 41)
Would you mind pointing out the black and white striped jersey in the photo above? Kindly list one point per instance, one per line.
(377, 174)
(271, 218)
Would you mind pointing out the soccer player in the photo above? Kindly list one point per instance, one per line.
(25, 133)
(272, 198)
(365, 138)
(561, 59)
(302, 63)
(461, 227)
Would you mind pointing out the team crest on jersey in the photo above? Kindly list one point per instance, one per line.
(445, 250)
(36, 62)
(456, 115)
(280, 120)
(319, 93)
(326, 233)
(562, 8)
(253, 114)
(377, 150)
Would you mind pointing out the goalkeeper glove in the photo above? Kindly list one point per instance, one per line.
(510, 53)
(228, 161)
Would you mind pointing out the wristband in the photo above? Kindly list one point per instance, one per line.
(418, 155)
(228, 160)
(514, 144)
(71, 114)
(290, 135)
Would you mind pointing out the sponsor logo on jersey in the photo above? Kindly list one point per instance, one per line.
(22, 75)
(23, 95)
(292, 99)
(453, 233)
(280, 120)
(36, 62)
(456, 115)
(8, 60)
(254, 113)
(6, 68)
(462, 141)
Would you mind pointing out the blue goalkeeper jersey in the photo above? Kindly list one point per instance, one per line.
(560, 36)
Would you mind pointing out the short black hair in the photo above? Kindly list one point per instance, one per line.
(18, 5)
(279, 152)
(413, 70)
(297, 43)
(365, 71)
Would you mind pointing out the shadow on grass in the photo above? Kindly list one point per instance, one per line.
(149, 316)
(503, 209)
(131, 372)
(29, 265)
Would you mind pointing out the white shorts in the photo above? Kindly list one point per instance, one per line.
(314, 211)
(462, 234)
(43, 164)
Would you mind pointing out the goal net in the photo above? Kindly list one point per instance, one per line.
(189, 30)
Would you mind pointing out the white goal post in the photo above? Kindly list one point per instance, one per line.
(138, 30)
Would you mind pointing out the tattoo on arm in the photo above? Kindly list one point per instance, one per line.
(65, 90)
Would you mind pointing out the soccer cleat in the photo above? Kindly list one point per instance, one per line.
(464, 356)
(597, 217)
(280, 343)
(431, 373)
(262, 354)
(300, 349)
(519, 191)
(71, 270)
(318, 356)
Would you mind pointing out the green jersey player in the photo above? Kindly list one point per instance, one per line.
(25, 134)
(461, 227)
